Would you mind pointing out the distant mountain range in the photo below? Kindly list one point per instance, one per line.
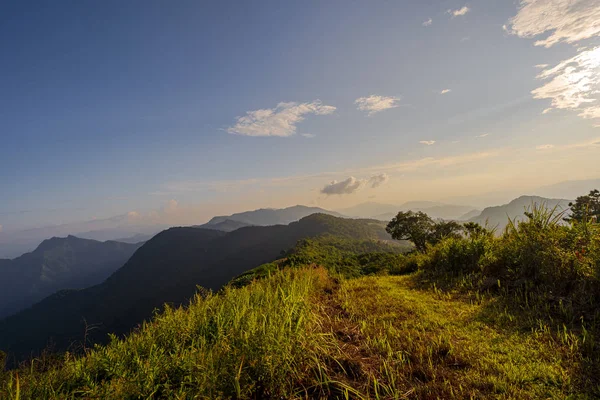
(568, 189)
(58, 263)
(264, 217)
(385, 212)
(16, 243)
(166, 269)
(498, 216)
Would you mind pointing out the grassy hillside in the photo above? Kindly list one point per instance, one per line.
(302, 333)
(510, 317)
(167, 269)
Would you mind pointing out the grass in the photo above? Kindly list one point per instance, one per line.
(440, 346)
(302, 333)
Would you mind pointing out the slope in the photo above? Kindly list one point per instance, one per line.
(303, 334)
(58, 263)
(498, 216)
(167, 269)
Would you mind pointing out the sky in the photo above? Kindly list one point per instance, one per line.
(178, 111)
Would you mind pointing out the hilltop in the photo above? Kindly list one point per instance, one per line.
(498, 216)
(268, 216)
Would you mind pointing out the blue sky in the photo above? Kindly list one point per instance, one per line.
(110, 107)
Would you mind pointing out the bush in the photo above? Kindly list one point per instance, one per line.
(458, 256)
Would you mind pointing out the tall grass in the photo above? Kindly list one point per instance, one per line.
(258, 341)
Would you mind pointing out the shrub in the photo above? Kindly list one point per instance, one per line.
(459, 255)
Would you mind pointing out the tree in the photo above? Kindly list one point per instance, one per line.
(475, 230)
(585, 208)
(416, 227)
(445, 229)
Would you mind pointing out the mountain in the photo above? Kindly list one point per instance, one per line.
(166, 269)
(16, 243)
(227, 225)
(370, 210)
(568, 189)
(385, 212)
(270, 216)
(498, 216)
(469, 215)
(58, 263)
(121, 234)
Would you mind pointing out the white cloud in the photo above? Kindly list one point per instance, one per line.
(378, 180)
(573, 83)
(428, 22)
(459, 12)
(347, 186)
(483, 135)
(133, 215)
(567, 20)
(445, 91)
(374, 103)
(308, 135)
(353, 185)
(590, 112)
(545, 147)
(427, 142)
(541, 66)
(278, 121)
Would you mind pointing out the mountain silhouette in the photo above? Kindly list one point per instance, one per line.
(58, 263)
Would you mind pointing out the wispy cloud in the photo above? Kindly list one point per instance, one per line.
(545, 147)
(444, 91)
(573, 83)
(375, 103)
(353, 185)
(567, 20)
(483, 135)
(459, 12)
(427, 142)
(308, 135)
(541, 66)
(590, 143)
(428, 22)
(377, 173)
(278, 121)
(590, 112)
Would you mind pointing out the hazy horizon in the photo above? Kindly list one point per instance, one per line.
(172, 115)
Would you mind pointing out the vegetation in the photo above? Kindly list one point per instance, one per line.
(514, 316)
(586, 208)
(420, 229)
(167, 269)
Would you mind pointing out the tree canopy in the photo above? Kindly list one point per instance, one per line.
(420, 229)
(585, 208)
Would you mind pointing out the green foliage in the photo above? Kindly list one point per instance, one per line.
(342, 256)
(416, 227)
(420, 229)
(260, 341)
(586, 208)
